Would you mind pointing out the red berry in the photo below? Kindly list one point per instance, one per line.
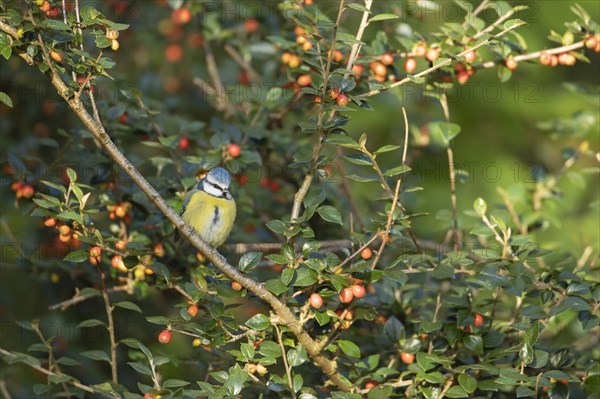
(184, 143)
(357, 69)
(420, 50)
(192, 310)
(274, 186)
(117, 262)
(387, 59)
(378, 68)
(470, 57)
(410, 65)
(407, 358)
(236, 286)
(346, 295)
(371, 384)
(342, 100)
(479, 320)
(181, 16)
(433, 54)
(50, 222)
(511, 63)
(316, 300)
(54, 12)
(95, 251)
(234, 150)
(165, 337)
(251, 25)
(366, 253)
(591, 42)
(27, 191)
(545, 58)
(304, 80)
(120, 245)
(358, 291)
(554, 61)
(462, 77)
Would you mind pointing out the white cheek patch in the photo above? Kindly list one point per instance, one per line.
(212, 190)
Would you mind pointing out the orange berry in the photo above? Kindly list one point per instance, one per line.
(346, 295)
(260, 369)
(387, 59)
(184, 143)
(251, 25)
(545, 58)
(286, 57)
(192, 310)
(117, 262)
(234, 150)
(173, 53)
(410, 65)
(95, 251)
(433, 54)
(511, 63)
(420, 50)
(64, 230)
(316, 300)
(165, 337)
(294, 61)
(304, 80)
(56, 56)
(470, 57)
(479, 320)
(181, 16)
(591, 42)
(338, 56)
(95, 260)
(342, 100)
(554, 61)
(358, 69)
(358, 291)
(50, 222)
(46, 6)
(16, 186)
(236, 286)
(366, 253)
(462, 77)
(378, 68)
(371, 384)
(407, 358)
(159, 249)
(27, 191)
(120, 245)
(65, 238)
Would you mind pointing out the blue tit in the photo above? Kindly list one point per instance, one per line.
(209, 208)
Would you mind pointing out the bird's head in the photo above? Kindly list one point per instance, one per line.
(216, 183)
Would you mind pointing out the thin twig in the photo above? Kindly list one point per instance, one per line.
(493, 25)
(4, 390)
(288, 369)
(81, 298)
(233, 53)
(110, 327)
(361, 28)
(452, 172)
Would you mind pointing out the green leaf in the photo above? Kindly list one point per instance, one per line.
(380, 392)
(67, 361)
(467, 382)
(443, 271)
(277, 226)
(397, 170)
(531, 334)
(129, 305)
(386, 148)
(383, 17)
(358, 7)
(276, 286)
(443, 132)
(76, 256)
(474, 343)
(269, 349)
(91, 323)
(258, 322)
(359, 159)
(140, 368)
(249, 260)
(96, 355)
(173, 383)
(456, 392)
(4, 98)
(342, 141)
(330, 214)
(349, 348)
(55, 24)
(59, 378)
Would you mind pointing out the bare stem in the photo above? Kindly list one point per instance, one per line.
(288, 369)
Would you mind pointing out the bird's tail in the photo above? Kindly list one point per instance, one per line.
(177, 239)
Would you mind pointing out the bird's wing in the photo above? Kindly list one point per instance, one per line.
(177, 239)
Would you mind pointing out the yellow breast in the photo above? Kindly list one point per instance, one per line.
(211, 217)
